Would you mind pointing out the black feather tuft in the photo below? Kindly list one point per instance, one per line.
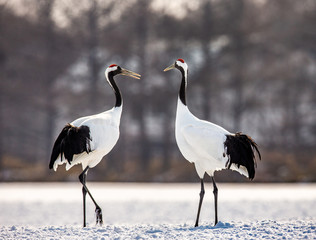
(240, 150)
(72, 140)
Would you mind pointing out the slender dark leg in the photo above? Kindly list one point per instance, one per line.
(85, 190)
(200, 203)
(215, 191)
(84, 194)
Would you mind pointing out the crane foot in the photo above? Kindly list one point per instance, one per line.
(98, 213)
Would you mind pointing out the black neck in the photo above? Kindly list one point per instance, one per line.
(117, 92)
(182, 88)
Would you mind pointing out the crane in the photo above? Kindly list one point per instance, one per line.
(209, 146)
(88, 139)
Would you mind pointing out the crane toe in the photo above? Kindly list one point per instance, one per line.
(98, 213)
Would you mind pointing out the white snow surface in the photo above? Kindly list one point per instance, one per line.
(157, 211)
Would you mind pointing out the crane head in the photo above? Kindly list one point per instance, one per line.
(179, 64)
(117, 70)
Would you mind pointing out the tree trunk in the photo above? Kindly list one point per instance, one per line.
(238, 100)
(166, 143)
(207, 90)
(2, 62)
(1, 122)
(50, 49)
(92, 59)
(142, 32)
(207, 69)
(238, 39)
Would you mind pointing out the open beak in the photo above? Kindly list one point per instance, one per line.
(129, 73)
(169, 68)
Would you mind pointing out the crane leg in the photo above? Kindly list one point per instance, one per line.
(84, 194)
(85, 190)
(215, 191)
(200, 203)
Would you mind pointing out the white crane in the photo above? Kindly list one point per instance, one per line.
(210, 147)
(87, 139)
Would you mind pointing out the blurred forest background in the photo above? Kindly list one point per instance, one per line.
(252, 68)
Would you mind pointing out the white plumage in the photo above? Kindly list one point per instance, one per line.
(202, 143)
(104, 132)
(88, 139)
(210, 147)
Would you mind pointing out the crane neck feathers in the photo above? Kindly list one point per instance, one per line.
(116, 113)
(110, 79)
(183, 86)
(183, 112)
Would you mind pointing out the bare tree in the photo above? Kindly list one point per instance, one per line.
(141, 28)
(207, 69)
(92, 43)
(2, 62)
(45, 15)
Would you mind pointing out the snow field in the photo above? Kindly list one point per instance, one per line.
(158, 211)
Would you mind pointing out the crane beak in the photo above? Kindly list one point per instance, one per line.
(129, 73)
(169, 68)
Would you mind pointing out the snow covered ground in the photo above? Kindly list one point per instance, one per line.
(157, 211)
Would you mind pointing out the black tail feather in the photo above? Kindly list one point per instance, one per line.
(241, 151)
(72, 140)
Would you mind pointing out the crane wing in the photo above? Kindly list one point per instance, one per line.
(71, 141)
(207, 142)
